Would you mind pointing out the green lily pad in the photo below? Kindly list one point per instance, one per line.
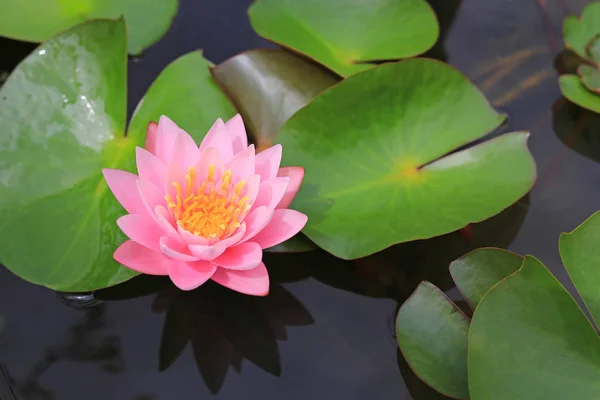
(376, 149)
(64, 120)
(347, 35)
(581, 257)
(590, 77)
(38, 20)
(574, 90)
(432, 334)
(529, 340)
(478, 271)
(579, 32)
(593, 50)
(268, 86)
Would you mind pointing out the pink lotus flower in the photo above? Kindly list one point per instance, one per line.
(199, 213)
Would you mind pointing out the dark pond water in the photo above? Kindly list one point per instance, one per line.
(326, 329)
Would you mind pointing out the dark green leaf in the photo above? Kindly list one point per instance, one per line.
(345, 35)
(268, 87)
(375, 148)
(432, 335)
(478, 271)
(529, 340)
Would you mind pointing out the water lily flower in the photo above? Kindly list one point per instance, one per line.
(207, 212)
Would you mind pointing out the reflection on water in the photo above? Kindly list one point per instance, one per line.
(326, 329)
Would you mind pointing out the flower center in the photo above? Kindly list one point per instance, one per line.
(214, 209)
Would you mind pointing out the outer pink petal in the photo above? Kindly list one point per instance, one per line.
(190, 275)
(296, 174)
(212, 251)
(185, 150)
(267, 162)
(141, 259)
(124, 186)
(175, 249)
(237, 133)
(242, 164)
(218, 137)
(254, 281)
(241, 257)
(149, 167)
(150, 144)
(209, 155)
(166, 134)
(141, 230)
(271, 192)
(256, 221)
(151, 196)
(285, 224)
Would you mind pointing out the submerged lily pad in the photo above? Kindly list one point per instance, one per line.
(579, 32)
(376, 149)
(574, 90)
(64, 111)
(38, 20)
(347, 35)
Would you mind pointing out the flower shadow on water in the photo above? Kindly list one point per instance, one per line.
(223, 327)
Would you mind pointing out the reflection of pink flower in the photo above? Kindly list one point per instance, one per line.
(199, 213)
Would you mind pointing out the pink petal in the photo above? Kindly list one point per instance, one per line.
(124, 186)
(256, 221)
(254, 281)
(212, 251)
(271, 192)
(175, 249)
(149, 167)
(175, 173)
(267, 162)
(165, 221)
(190, 275)
(185, 150)
(251, 188)
(209, 155)
(237, 133)
(241, 257)
(242, 164)
(141, 259)
(141, 230)
(285, 224)
(151, 196)
(166, 134)
(296, 174)
(190, 238)
(218, 137)
(150, 144)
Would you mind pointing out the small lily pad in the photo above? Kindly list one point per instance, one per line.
(376, 149)
(432, 334)
(64, 120)
(574, 90)
(593, 50)
(579, 32)
(347, 35)
(590, 77)
(39, 20)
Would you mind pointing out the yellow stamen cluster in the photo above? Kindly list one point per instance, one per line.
(214, 209)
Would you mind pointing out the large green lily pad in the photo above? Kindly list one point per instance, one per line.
(346, 35)
(579, 32)
(38, 20)
(581, 256)
(432, 334)
(375, 149)
(574, 90)
(529, 340)
(64, 111)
